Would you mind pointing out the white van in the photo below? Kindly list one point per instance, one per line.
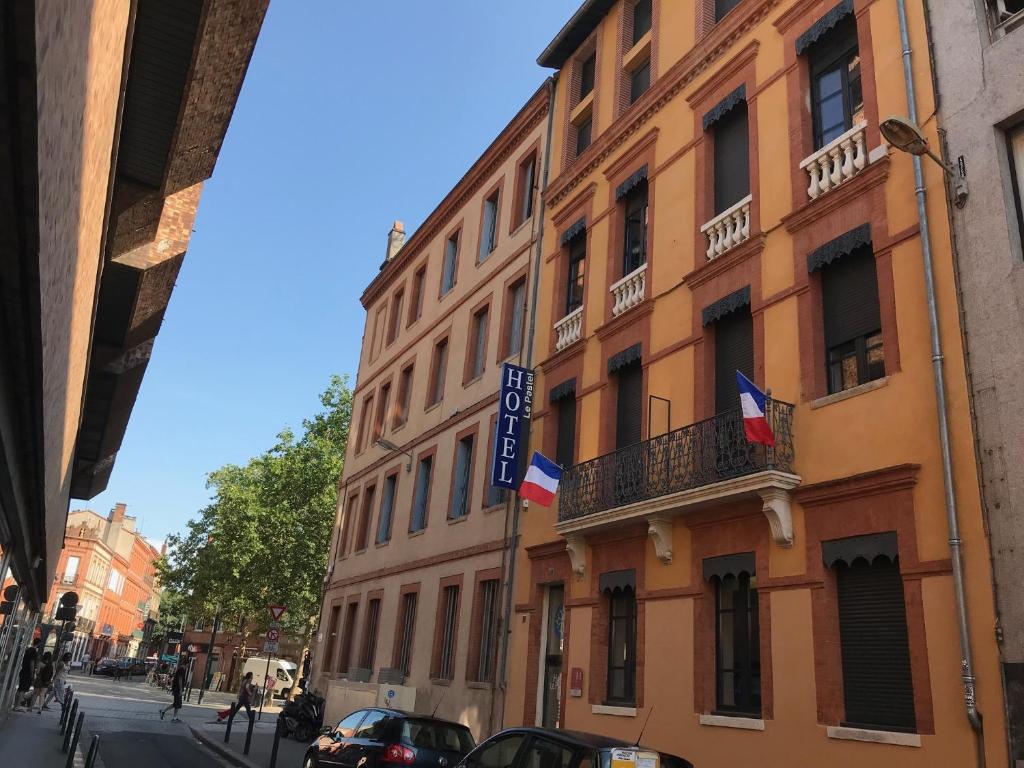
(284, 673)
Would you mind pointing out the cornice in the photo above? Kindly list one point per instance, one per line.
(712, 269)
(887, 480)
(629, 317)
(725, 73)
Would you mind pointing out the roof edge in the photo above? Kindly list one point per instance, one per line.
(576, 30)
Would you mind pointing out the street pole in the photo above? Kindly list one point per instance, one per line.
(209, 657)
(264, 696)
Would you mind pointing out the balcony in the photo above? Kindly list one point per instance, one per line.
(728, 229)
(695, 467)
(629, 291)
(569, 329)
(837, 162)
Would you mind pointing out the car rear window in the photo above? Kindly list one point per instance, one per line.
(440, 736)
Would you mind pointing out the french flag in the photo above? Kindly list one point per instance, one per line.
(541, 480)
(752, 400)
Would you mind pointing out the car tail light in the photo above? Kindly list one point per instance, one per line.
(396, 753)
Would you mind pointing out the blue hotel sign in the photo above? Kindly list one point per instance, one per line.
(515, 406)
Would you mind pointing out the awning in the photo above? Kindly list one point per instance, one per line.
(853, 548)
(729, 565)
(844, 245)
(722, 108)
(617, 580)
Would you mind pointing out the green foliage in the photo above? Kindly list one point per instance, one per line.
(264, 536)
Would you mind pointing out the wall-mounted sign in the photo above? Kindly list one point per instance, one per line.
(576, 682)
(514, 408)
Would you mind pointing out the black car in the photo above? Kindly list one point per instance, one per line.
(552, 748)
(390, 738)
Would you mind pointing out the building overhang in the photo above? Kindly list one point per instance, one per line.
(574, 33)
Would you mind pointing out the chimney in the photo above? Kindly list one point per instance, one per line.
(117, 513)
(396, 239)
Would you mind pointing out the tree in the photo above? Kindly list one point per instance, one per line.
(265, 534)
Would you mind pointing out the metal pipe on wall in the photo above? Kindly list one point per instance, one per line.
(952, 518)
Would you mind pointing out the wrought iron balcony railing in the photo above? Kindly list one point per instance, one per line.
(698, 454)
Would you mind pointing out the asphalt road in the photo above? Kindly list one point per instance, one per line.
(126, 716)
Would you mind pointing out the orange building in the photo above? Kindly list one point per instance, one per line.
(721, 200)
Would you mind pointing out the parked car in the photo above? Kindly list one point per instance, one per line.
(554, 748)
(378, 738)
(105, 667)
(127, 666)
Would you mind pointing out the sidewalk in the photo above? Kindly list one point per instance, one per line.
(29, 740)
(289, 751)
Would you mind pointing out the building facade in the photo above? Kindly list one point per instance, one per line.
(979, 47)
(413, 588)
(722, 201)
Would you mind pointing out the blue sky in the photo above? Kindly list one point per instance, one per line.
(351, 115)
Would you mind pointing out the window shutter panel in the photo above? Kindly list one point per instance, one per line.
(565, 449)
(734, 351)
(629, 413)
(849, 289)
(877, 685)
(732, 171)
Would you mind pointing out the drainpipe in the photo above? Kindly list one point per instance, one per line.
(952, 521)
(509, 551)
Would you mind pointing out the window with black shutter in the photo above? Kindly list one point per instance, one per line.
(629, 405)
(722, 7)
(565, 449)
(836, 99)
(635, 245)
(642, 17)
(587, 69)
(583, 134)
(577, 272)
(877, 687)
(619, 589)
(734, 351)
(732, 164)
(853, 325)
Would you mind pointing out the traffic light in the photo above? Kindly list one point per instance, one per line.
(67, 610)
(7, 604)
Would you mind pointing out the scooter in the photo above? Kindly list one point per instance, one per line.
(303, 716)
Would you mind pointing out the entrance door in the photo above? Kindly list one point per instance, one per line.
(554, 643)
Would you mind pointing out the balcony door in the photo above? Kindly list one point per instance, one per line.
(630, 474)
(734, 351)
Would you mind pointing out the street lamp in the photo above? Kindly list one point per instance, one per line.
(908, 137)
(389, 446)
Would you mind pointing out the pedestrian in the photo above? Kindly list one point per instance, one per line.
(118, 670)
(41, 684)
(177, 686)
(246, 693)
(60, 679)
(27, 674)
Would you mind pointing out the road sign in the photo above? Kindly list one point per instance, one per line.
(272, 635)
(276, 611)
(270, 647)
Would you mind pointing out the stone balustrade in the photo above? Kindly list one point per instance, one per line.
(837, 162)
(629, 291)
(728, 229)
(569, 329)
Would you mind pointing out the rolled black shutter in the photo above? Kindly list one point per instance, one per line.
(877, 685)
(732, 163)
(565, 450)
(734, 351)
(849, 288)
(629, 413)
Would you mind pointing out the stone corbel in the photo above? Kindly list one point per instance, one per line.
(776, 508)
(660, 531)
(577, 550)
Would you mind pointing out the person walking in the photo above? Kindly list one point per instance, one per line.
(118, 670)
(246, 693)
(27, 674)
(60, 679)
(177, 687)
(41, 684)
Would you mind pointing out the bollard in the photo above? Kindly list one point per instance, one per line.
(227, 731)
(66, 728)
(94, 751)
(277, 739)
(74, 741)
(248, 734)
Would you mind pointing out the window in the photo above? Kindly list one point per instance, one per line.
(621, 645)
(363, 532)
(460, 482)
(877, 687)
(346, 639)
(387, 509)
(515, 315)
(732, 174)
(583, 135)
(836, 99)
(404, 396)
(379, 319)
(448, 617)
(332, 634)
(448, 267)
(347, 727)
(116, 581)
(527, 181)
(489, 226)
(546, 754)
(421, 496)
(629, 405)
(478, 352)
(372, 728)
(406, 626)
(440, 365)
(364, 424)
(419, 280)
(1006, 14)
(397, 305)
(853, 326)
(370, 634)
(382, 411)
(347, 523)
(199, 625)
(587, 68)
(495, 495)
(734, 351)
(71, 569)
(722, 7)
(437, 735)
(1015, 138)
(635, 246)
(737, 645)
(641, 19)
(500, 752)
(639, 81)
(565, 446)
(486, 617)
(577, 273)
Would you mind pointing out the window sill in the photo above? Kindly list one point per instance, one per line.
(896, 738)
(398, 427)
(475, 379)
(733, 721)
(460, 519)
(382, 544)
(607, 709)
(440, 681)
(637, 53)
(582, 110)
(846, 394)
(479, 686)
(420, 532)
(432, 406)
(520, 225)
